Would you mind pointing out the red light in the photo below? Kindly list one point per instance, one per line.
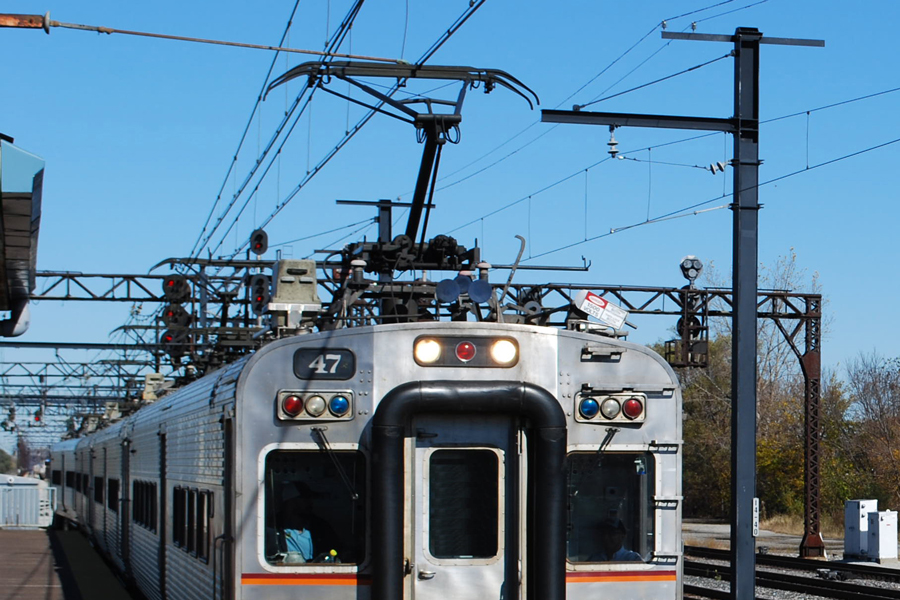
(465, 351)
(292, 405)
(633, 408)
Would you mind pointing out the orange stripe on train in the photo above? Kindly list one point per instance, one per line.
(353, 579)
(304, 579)
(616, 576)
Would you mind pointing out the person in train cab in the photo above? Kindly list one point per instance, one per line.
(612, 539)
(302, 532)
(295, 540)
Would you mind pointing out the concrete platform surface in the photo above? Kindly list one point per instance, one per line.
(54, 565)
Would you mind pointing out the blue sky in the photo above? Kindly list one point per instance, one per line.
(138, 135)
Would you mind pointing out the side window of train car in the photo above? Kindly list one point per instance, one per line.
(98, 489)
(610, 507)
(191, 515)
(179, 510)
(112, 495)
(143, 507)
(56, 477)
(315, 507)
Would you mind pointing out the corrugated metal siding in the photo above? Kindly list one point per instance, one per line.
(145, 543)
(195, 458)
(26, 505)
(106, 462)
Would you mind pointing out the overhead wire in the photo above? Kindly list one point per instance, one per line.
(246, 128)
(467, 13)
(623, 154)
(661, 24)
(527, 197)
(321, 233)
(336, 41)
(660, 80)
(369, 223)
(679, 213)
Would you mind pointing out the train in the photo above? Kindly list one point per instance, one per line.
(425, 460)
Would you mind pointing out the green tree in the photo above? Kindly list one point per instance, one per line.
(7, 463)
(780, 410)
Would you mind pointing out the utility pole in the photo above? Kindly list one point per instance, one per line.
(744, 126)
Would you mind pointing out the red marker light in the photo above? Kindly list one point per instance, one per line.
(465, 351)
(292, 405)
(633, 408)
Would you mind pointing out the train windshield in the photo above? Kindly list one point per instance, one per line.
(610, 507)
(315, 507)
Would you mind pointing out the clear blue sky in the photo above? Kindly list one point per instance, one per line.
(138, 135)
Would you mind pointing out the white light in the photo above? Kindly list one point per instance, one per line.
(427, 351)
(610, 408)
(315, 406)
(504, 352)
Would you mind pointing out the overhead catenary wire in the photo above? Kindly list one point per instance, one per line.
(662, 24)
(240, 145)
(623, 154)
(37, 23)
(694, 207)
(336, 41)
(655, 81)
(352, 234)
(350, 133)
(467, 13)
(245, 132)
(321, 233)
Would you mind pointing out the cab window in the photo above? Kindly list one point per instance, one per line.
(610, 507)
(314, 507)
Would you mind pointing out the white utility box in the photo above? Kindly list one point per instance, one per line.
(856, 526)
(883, 535)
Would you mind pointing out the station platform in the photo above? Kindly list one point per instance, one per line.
(54, 565)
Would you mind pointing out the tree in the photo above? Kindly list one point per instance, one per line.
(874, 384)
(7, 463)
(780, 410)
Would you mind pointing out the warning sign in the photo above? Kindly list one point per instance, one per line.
(601, 308)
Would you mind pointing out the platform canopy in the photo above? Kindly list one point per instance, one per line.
(21, 183)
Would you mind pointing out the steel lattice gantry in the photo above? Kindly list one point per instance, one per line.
(795, 315)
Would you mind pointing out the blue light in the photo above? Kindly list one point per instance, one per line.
(589, 408)
(338, 406)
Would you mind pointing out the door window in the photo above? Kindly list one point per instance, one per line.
(463, 502)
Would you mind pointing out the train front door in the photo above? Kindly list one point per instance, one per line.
(465, 506)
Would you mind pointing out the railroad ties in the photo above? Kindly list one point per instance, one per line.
(708, 574)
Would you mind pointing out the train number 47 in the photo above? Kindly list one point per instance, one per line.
(325, 363)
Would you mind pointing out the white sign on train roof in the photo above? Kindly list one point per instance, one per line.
(601, 308)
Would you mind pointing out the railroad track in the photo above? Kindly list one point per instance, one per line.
(829, 583)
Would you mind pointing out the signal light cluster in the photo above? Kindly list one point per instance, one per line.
(314, 406)
(260, 293)
(611, 408)
(455, 351)
(175, 339)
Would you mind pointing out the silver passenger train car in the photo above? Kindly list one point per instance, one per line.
(426, 461)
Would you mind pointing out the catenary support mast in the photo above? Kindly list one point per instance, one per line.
(744, 126)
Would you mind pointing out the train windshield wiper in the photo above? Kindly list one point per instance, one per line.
(322, 441)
